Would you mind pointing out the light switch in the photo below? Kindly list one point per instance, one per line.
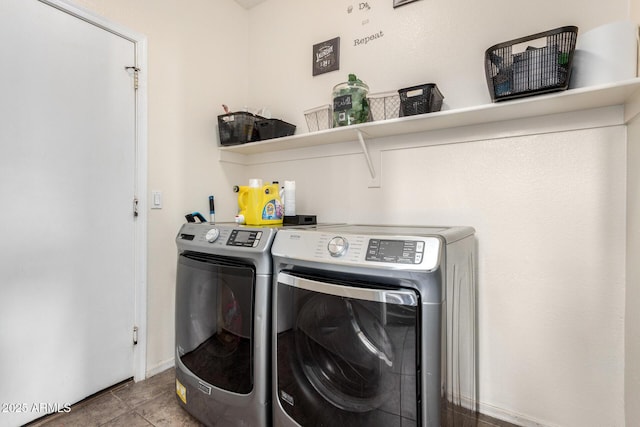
(156, 199)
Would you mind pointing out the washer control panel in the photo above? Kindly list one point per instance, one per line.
(395, 251)
(225, 238)
(244, 238)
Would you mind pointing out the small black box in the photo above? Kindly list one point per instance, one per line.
(299, 220)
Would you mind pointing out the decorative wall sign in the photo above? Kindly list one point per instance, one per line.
(364, 40)
(360, 7)
(362, 11)
(397, 3)
(326, 56)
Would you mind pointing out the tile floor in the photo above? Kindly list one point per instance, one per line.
(153, 403)
(146, 403)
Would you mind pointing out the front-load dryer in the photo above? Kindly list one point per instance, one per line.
(222, 320)
(374, 326)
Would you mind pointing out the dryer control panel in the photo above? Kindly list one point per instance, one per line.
(395, 251)
(400, 252)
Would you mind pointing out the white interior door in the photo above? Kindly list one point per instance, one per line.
(67, 179)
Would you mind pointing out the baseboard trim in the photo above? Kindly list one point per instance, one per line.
(160, 367)
(512, 417)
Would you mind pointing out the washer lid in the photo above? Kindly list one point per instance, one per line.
(448, 233)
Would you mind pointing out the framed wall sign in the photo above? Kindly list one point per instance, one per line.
(326, 56)
(397, 3)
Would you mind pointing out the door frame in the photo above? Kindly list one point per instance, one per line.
(141, 136)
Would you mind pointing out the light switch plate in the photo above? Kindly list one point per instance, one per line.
(156, 199)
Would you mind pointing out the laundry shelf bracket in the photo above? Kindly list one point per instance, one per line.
(372, 157)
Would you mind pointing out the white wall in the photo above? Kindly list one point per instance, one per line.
(632, 297)
(549, 209)
(632, 319)
(197, 56)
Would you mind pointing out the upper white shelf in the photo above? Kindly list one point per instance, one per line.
(619, 93)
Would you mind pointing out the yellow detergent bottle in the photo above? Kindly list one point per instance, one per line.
(259, 204)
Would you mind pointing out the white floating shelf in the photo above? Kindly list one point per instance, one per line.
(620, 93)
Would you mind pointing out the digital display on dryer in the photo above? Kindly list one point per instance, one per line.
(395, 251)
(244, 238)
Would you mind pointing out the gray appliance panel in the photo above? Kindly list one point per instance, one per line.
(193, 237)
(416, 252)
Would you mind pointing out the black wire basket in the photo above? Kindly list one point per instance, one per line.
(420, 99)
(238, 128)
(531, 65)
(273, 128)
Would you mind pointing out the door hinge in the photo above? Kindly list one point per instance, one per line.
(136, 72)
(135, 335)
(135, 206)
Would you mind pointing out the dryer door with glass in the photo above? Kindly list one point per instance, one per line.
(214, 311)
(346, 352)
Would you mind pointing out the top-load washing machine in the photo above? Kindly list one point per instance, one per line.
(374, 326)
(223, 314)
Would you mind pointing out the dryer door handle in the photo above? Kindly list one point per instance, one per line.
(387, 296)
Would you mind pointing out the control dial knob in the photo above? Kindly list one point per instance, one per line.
(338, 246)
(212, 235)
